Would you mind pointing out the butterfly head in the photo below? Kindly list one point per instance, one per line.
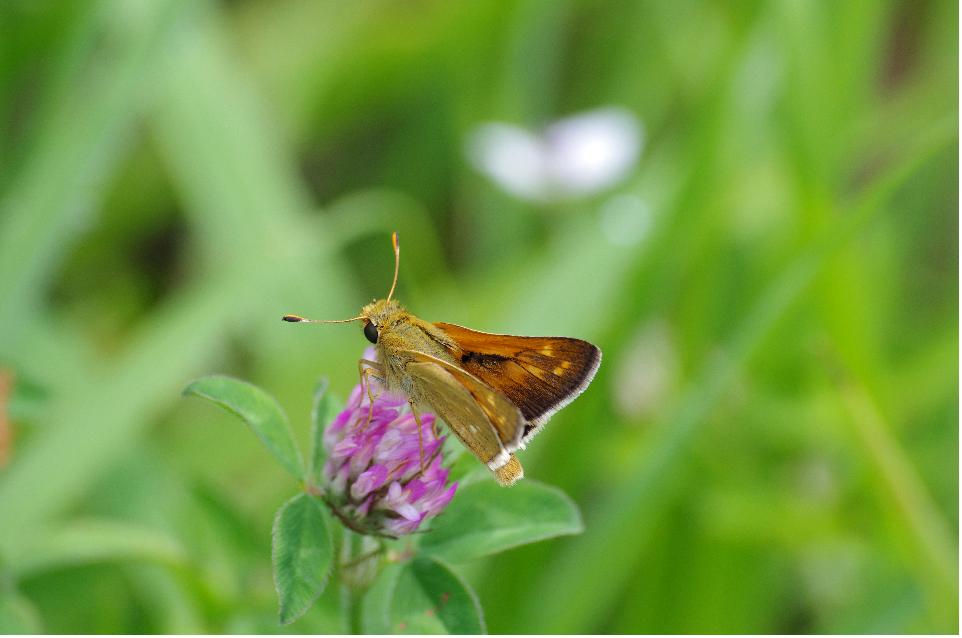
(379, 315)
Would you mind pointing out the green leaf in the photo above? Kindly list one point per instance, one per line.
(302, 555)
(463, 466)
(322, 411)
(485, 518)
(259, 410)
(423, 596)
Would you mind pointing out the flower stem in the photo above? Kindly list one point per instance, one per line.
(358, 567)
(351, 609)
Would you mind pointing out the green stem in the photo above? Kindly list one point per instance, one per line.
(351, 609)
(358, 567)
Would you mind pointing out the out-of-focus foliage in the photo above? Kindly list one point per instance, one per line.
(771, 444)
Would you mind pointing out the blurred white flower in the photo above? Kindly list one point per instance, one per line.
(512, 157)
(572, 157)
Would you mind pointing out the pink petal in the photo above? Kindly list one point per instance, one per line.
(369, 480)
(408, 511)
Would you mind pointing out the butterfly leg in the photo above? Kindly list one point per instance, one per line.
(375, 370)
(417, 420)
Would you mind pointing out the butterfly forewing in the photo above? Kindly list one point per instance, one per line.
(540, 375)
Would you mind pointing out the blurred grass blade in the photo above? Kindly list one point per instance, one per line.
(484, 518)
(169, 601)
(906, 501)
(90, 541)
(259, 410)
(91, 422)
(89, 425)
(302, 555)
(423, 596)
(66, 174)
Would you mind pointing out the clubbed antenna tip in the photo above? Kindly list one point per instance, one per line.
(300, 319)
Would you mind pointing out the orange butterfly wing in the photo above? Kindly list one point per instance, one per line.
(540, 375)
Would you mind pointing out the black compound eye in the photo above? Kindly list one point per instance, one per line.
(370, 331)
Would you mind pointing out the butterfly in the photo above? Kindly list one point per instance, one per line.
(494, 391)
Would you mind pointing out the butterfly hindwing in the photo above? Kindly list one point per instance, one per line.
(486, 421)
(540, 375)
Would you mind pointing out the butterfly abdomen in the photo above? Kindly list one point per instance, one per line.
(509, 473)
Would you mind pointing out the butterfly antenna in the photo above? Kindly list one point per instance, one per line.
(397, 263)
(300, 319)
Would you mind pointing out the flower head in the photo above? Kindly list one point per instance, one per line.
(374, 478)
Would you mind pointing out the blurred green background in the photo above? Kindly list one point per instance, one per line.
(771, 444)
